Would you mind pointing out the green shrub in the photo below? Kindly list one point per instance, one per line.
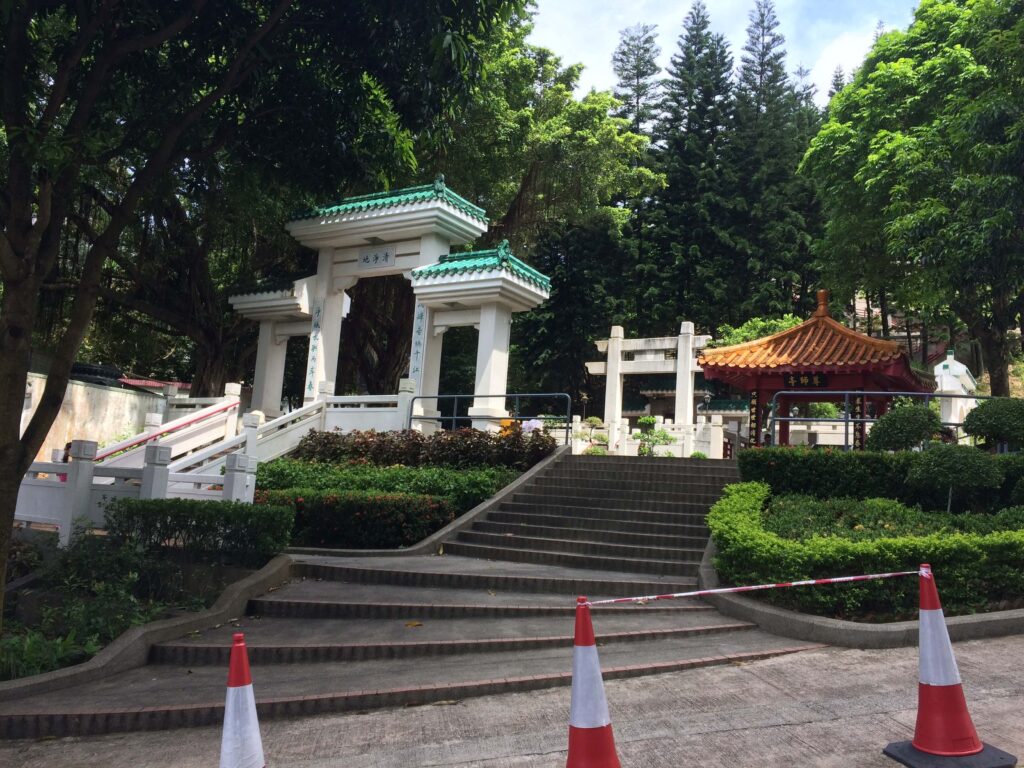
(823, 410)
(971, 569)
(223, 531)
(595, 450)
(25, 652)
(465, 488)
(964, 474)
(999, 420)
(903, 428)
(361, 519)
(698, 455)
(454, 448)
(828, 473)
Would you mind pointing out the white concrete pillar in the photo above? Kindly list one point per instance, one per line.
(327, 308)
(268, 379)
(492, 361)
(79, 488)
(155, 472)
(685, 364)
(232, 391)
(239, 477)
(613, 378)
(251, 424)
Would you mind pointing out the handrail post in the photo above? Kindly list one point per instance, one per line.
(239, 477)
(251, 424)
(155, 472)
(79, 486)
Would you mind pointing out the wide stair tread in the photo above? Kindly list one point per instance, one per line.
(650, 551)
(612, 534)
(678, 568)
(525, 515)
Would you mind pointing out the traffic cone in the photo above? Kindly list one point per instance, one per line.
(591, 743)
(240, 746)
(944, 734)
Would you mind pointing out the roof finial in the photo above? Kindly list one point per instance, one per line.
(822, 310)
(504, 250)
(439, 183)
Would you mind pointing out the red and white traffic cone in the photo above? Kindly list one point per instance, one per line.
(945, 734)
(591, 743)
(241, 745)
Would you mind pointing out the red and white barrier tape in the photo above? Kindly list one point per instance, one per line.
(753, 588)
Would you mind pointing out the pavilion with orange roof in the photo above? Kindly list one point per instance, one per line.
(821, 356)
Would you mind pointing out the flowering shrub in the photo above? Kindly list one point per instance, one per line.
(360, 519)
(512, 447)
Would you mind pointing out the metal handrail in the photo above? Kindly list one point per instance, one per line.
(515, 396)
(827, 395)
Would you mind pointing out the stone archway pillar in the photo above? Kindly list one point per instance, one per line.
(492, 363)
(268, 380)
(327, 308)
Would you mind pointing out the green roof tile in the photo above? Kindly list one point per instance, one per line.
(435, 191)
(499, 258)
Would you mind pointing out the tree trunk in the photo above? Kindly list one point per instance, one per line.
(924, 343)
(995, 351)
(376, 336)
(883, 308)
(211, 368)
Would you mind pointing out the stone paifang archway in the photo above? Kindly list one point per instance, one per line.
(407, 232)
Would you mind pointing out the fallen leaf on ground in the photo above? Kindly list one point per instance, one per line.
(414, 623)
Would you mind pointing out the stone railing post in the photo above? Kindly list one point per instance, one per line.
(251, 424)
(155, 472)
(239, 477)
(406, 392)
(324, 390)
(716, 437)
(79, 487)
(232, 391)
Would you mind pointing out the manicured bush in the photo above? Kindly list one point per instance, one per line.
(698, 455)
(963, 474)
(999, 420)
(904, 428)
(464, 488)
(361, 519)
(971, 569)
(828, 473)
(455, 448)
(219, 530)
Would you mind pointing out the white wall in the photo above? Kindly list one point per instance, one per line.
(91, 412)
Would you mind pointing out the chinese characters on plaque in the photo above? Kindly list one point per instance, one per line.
(377, 257)
(805, 380)
(418, 340)
(755, 420)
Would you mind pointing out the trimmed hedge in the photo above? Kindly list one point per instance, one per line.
(458, 448)
(1000, 420)
(465, 488)
(225, 531)
(904, 428)
(866, 474)
(972, 569)
(361, 519)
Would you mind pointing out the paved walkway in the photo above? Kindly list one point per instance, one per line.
(832, 708)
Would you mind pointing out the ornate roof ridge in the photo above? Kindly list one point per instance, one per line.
(385, 199)
(499, 257)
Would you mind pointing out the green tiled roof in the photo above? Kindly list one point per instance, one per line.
(725, 405)
(435, 191)
(499, 258)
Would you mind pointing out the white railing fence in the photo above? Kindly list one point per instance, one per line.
(707, 436)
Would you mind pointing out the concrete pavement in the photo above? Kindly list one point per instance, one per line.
(830, 708)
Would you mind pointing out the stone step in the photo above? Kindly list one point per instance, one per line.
(453, 572)
(684, 572)
(290, 641)
(669, 476)
(644, 463)
(172, 696)
(610, 535)
(526, 514)
(651, 551)
(655, 512)
(653, 491)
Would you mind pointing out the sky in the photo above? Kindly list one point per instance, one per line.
(820, 34)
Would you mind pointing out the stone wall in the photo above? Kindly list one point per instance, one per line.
(91, 412)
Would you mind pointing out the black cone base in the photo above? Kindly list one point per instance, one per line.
(990, 757)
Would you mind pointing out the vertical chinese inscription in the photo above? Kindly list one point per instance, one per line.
(314, 346)
(419, 338)
(754, 420)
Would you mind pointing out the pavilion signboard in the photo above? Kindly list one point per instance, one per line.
(806, 380)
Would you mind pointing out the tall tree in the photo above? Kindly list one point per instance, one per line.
(682, 235)
(636, 67)
(838, 81)
(923, 156)
(775, 234)
(102, 98)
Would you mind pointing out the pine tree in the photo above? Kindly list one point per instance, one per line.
(838, 82)
(684, 257)
(773, 237)
(635, 64)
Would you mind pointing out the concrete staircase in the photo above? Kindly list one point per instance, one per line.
(493, 614)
